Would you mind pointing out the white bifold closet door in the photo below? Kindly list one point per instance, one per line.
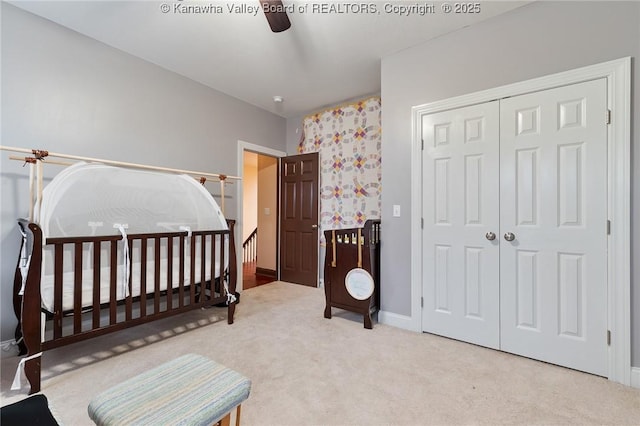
(553, 193)
(460, 205)
(531, 169)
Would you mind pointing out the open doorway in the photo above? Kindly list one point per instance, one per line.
(260, 218)
(258, 212)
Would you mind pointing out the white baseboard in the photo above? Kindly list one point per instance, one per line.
(635, 377)
(11, 348)
(396, 320)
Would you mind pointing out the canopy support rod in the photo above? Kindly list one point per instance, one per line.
(33, 160)
(115, 163)
(223, 179)
(32, 178)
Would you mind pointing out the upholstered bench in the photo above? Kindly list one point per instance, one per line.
(190, 390)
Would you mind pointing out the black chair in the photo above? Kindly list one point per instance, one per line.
(33, 410)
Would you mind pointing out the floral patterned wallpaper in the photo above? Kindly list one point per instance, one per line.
(348, 139)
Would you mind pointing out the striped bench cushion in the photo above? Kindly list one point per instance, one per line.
(189, 390)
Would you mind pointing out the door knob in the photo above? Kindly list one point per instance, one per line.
(314, 226)
(490, 236)
(509, 236)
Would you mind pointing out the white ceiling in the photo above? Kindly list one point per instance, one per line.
(323, 59)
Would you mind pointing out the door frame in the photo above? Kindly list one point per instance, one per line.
(258, 149)
(618, 75)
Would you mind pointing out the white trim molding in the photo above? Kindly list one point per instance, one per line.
(396, 320)
(618, 75)
(635, 377)
(242, 147)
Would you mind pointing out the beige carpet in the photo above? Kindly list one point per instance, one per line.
(307, 370)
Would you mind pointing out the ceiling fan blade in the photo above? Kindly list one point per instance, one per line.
(276, 15)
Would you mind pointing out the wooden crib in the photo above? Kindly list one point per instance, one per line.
(152, 301)
(352, 250)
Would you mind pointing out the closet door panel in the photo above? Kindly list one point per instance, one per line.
(460, 206)
(553, 150)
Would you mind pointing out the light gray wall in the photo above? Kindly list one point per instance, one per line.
(67, 93)
(536, 40)
(294, 131)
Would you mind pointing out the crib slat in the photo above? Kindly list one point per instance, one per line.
(143, 277)
(156, 275)
(96, 284)
(192, 269)
(77, 288)
(128, 300)
(203, 268)
(57, 290)
(214, 245)
(169, 272)
(221, 266)
(181, 273)
(113, 282)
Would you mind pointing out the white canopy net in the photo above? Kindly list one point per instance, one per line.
(92, 199)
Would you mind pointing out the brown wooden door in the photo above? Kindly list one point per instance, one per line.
(299, 186)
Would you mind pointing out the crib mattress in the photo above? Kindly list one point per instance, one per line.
(47, 282)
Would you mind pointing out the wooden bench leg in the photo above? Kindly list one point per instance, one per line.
(238, 415)
(226, 420)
